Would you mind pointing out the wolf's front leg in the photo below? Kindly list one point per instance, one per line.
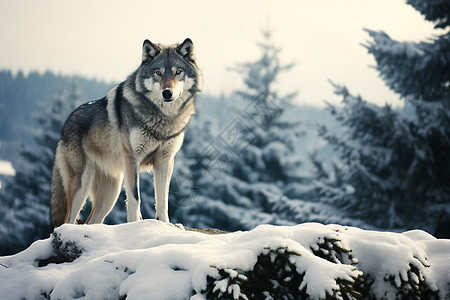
(132, 190)
(163, 172)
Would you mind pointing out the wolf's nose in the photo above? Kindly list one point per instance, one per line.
(167, 95)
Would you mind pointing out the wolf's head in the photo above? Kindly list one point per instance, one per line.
(168, 72)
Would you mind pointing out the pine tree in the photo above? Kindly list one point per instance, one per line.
(264, 138)
(24, 200)
(261, 75)
(396, 169)
(240, 173)
(414, 70)
(418, 71)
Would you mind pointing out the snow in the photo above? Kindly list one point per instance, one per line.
(384, 43)
(6, 168)
(163, 261)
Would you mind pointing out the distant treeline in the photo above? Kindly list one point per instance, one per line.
(22, 96)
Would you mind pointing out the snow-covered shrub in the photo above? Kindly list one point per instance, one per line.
(64, 250)
(154, 260)
(274, 276)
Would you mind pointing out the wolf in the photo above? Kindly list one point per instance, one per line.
(138, 126)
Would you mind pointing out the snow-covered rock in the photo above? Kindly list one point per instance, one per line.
(154, 260)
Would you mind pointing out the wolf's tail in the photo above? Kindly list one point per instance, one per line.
(58, 203)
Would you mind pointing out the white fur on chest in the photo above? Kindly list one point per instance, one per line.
(141, 143)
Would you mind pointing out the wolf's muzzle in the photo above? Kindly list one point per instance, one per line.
(167, 95)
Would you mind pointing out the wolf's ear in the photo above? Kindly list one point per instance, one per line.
(149, 51)
(186, 49)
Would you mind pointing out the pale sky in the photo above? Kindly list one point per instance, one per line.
(103, 38)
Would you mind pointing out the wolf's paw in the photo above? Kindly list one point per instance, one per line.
(133, 217)
(164, 219)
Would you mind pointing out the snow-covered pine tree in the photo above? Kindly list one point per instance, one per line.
(265, 138)
(25, 198)
(241, 171)
(414, 70)
(397, 169)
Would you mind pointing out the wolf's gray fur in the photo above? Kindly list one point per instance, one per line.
(140, 124)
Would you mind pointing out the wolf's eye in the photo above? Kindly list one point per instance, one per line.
(158, 72)
(178, 72)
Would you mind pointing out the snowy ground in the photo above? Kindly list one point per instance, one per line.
(154, 260)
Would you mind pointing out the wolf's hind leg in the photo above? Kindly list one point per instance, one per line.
(105, 191)
(80, 194)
